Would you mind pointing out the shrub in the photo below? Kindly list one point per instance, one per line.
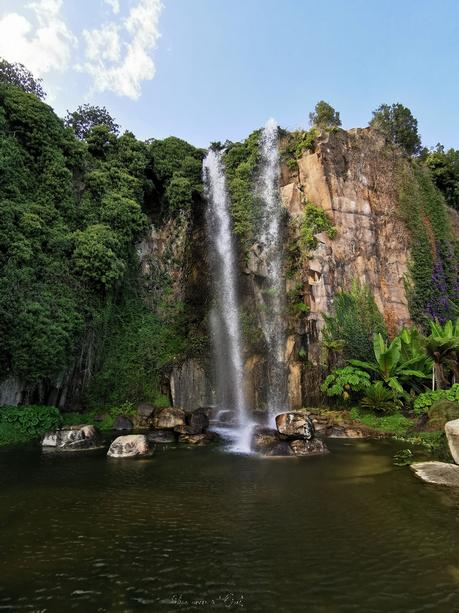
(23, 423)
(380, 399)
(315, 220)
(424, 401)
(343, 382)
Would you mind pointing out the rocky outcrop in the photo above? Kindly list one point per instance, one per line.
(73, 438)
(452, 435)
(198, 439)
(295, 425)
(437, 473)
(168, 419)
(294, 436)
(129, 446)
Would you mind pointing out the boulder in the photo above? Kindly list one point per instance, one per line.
(345, 432)
(197, 421)
(73, 438)
(308, 447)
(145, 411)
(281, 448)
(122, 423)
(161, 436)
(129, 446)
(295, 425)
(437, 473)
(264, 439)
(168, 419)
(452, 435)
(198, 439)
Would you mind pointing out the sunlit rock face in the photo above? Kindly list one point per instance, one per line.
(352, 176)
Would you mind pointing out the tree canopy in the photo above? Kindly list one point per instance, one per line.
(324, 116)
(19, 76)
(399, 126)
(88, 116)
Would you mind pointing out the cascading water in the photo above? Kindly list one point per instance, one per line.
(225, 317)
(270, 239)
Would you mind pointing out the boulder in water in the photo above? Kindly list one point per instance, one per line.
(264, 440)
(145, 411)
(306, 447)
(122, 423)
(197, 421)
(295, 425)
(73, 438)
(161, 436)
(168, 419)
(452, 435)
(437, 473)
(129, 446)
(198, 439)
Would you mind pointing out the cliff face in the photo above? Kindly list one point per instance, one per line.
(352, 176)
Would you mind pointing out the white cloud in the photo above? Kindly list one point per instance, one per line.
(120, 65)
(115, 5)
(42, 45)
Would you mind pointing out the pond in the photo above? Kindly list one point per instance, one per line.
(195, 529)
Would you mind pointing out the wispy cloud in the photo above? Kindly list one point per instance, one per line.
(44, 44)
(117, 55)
(115, 5)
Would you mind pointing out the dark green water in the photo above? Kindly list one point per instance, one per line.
(201, 529)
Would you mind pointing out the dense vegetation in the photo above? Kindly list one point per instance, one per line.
(75, 199)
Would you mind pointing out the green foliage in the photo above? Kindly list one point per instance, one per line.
(398, 125)
(404, 457)
(72, 212)
(380, 399)
(87, 117)
(241, 161)
(442, 411)
(442, 346)
(315, 220)
(389, 365)
(424, 401)
(444, 167)
(294, 144)
(324, 116)
(432, 245)
(346, 382)
(178, 169)
(395, 423)
(24, 423)
(18, 75)
(355, 321)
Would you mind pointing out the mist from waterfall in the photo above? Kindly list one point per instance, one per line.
(270, 239)
(224, 320)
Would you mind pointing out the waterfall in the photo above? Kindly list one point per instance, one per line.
(270, 239)
(226, 334)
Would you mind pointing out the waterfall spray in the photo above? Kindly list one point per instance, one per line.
(272, 319)
(225, 318)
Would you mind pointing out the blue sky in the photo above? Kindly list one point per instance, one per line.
(223, 67)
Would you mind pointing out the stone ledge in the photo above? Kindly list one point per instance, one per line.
(437, 473)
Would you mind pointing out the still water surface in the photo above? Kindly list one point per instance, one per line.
(202, 529)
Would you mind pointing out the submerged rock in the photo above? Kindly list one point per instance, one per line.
(122, 423)
(295, 425)
(437, 473)
(129, 446)
(452, 435)
(161, 436)
(198, 439)
(168, 419)
(73, 438)
(308, 447)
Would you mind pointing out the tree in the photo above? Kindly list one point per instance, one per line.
(324, 116)
(399, 126)
(444, 166)
(19, 76)
(87, 117)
